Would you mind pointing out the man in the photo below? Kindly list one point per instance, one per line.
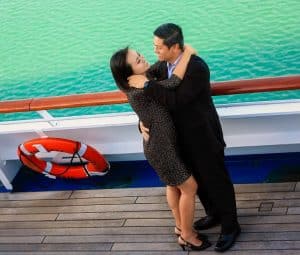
(200, 136)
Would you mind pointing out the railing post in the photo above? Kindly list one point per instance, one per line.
(48, 117)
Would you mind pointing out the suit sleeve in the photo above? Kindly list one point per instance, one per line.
(195, 80)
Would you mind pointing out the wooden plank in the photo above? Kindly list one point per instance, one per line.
(25, 217)
(100, 253)
(130, 200)
(270, 236)
(160, 191)
(251, 252)
(266, 187)
(244, 237)
(145, 230)
(297, 188)
(114, 208)
(262, 252)
(114, 215)
(63, 224)
(269, 245)
(151, 200)
(259, 219)
(156, 214)
(153, 191)
(86, 208)
(68, 202)
(239, 197)
(21, 239)
(258, 245)
(256, 219)
(148, 222)
(255, 211)
(267, 196)
(145, 246)
(87, 231)
(57, 247)
(286, 203)
(111, 238)
(248, 204)
(243, 220)
(136, 222)
(294, 210)
(36, 195)
(261, 236)
(293, 227)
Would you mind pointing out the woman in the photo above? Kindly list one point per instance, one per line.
(161, 149)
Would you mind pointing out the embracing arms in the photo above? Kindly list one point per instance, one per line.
(138, 81)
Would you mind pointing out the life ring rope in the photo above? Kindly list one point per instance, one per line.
(79, 152)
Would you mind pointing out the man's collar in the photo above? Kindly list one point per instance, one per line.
(175, 62)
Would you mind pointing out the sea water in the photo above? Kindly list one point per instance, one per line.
(63, 47)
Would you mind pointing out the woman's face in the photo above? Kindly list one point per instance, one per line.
(137, 62)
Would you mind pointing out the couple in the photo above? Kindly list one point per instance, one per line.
(183, 139)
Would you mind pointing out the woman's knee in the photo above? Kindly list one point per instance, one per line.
(189, 186)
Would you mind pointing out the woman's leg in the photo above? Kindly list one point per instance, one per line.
(188, 191)
(173, 195)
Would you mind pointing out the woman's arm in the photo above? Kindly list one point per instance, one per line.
(138, 81)
(180, 68)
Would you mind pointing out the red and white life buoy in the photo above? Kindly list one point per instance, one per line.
(95, 165)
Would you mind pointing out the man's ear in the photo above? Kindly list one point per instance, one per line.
(175, 47)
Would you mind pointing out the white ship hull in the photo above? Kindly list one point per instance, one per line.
(252, 128)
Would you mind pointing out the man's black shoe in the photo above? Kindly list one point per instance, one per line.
(206, 222)
(225, 242)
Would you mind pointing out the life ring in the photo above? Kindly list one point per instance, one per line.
(95, 165)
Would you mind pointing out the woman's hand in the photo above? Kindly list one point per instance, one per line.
(190, 49)
(137, 81)
(145, 131)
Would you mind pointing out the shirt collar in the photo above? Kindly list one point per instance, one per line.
(169, 65)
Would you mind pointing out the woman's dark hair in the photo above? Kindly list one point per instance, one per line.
(120, 69)
(171, 34)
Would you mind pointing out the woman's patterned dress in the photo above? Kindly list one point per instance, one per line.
(161, 150)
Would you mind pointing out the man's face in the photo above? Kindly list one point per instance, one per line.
(162, 51)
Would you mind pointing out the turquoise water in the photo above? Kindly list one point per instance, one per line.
(55, 47)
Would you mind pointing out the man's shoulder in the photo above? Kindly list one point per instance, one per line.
(198, 62)
(197, 59)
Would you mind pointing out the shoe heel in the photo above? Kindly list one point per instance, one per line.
(205, 244)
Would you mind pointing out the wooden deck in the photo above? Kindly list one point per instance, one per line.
(138, 221)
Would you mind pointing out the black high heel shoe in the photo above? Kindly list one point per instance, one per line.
(199, 235)
(184, 244)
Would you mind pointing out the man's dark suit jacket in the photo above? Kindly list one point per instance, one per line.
(192, 109)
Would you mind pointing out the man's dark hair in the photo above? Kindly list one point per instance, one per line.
(171, 34)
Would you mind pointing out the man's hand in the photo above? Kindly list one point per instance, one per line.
(145, 131)
(137, 81)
